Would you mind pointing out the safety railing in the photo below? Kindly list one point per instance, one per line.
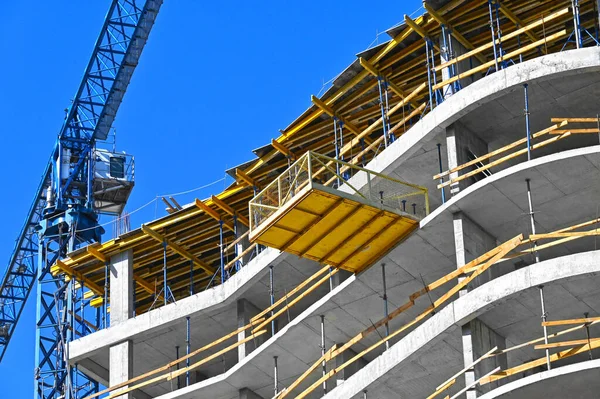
(320, 171)
(566, 349)
(477, 166)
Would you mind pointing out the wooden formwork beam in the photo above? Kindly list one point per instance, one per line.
(457, 35)
(178, 249)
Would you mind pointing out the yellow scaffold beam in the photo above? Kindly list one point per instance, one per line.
(420, 31)
(241, 175)
(97, 254)
(329, 111)
(60, 267)
(149, 288)
(460, 38)
(226, 208)
(283, 149)
(139, 280)
(377, 73)
(178, 249)
(353, 82)
(214, 214)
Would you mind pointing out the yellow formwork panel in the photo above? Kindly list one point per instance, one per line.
(338, 230)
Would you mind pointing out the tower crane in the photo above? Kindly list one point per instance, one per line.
(81, 181)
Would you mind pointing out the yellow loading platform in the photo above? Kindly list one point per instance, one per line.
(314, 210)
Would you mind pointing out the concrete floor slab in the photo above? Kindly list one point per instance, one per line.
(579, 379)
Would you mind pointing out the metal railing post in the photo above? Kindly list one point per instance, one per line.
(385, 306)
(439, 147)
(324, 365)
(187, 349)
(165, 272)
(544, 318)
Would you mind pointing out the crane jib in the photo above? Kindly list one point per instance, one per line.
(89, 119)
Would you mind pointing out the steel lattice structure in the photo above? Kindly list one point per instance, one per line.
(63, 215)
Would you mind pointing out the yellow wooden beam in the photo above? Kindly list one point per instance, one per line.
(59, 267)
(460, 38)
(178, 249)
(283, 149)
(230, 210)
(97, 302)
(563, 344)
(139, 280)
(517, 21)
(538, 362)
(353, 82)
(149, 288)
(329, 111)
(214, 214)
(97, 254)
(241, 175)
(376, 72)
(554, 323)
(420, 31)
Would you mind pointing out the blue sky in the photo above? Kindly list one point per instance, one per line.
(216, 80)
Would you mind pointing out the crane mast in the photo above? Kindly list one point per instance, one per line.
(81, 181)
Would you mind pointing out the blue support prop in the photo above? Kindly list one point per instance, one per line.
(187, 349)
(491, 12)
(382, 106)
(337, 150)
(105, 299)
(501, 51)
(191, 277)
(428, 66)
(577, 23)
(165, 285)
(222, 254)
(238, 263)
(446, 58)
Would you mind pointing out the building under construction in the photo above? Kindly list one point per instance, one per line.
(427, 228)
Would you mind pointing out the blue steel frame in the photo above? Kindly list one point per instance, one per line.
(62, 216)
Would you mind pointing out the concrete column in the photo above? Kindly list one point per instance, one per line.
(347, 372)
(246, 393)
(472, 241)
(483, 339)
(244, 244)
(121, 366)
(245, 311)
(454, 50)
(461, 144)
(121, 287)
(121, 309)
